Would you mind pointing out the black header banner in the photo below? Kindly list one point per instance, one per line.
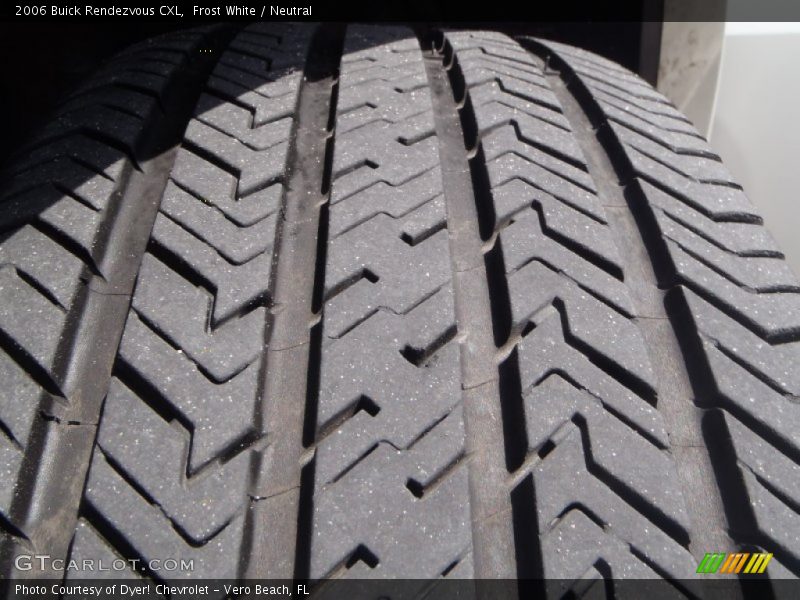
(428, 11)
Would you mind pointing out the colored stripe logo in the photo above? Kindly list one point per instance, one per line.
(734, 562)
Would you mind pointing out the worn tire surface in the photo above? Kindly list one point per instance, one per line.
(319, 302)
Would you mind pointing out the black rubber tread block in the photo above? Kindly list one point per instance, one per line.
(179, 422)
(737, 304)
(612, 256)
(390, 430)
(56, 197)
(596, 470)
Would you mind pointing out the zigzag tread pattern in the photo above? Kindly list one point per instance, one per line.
(596, 472)
(595, 480)
(180, 417)
(739, 297)
(55, 196)
(390, 429)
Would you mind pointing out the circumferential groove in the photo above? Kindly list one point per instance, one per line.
(512, 467)
(682, 383)
(483, 315)
(58, 452)
(278, 531)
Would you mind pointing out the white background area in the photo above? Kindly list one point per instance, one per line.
(754, 123)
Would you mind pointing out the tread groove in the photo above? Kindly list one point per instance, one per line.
(290, 365)
(677, 388)
(95, 321)
(464, 183)
(282, 304)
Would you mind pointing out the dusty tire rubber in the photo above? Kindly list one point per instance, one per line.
(369, 302)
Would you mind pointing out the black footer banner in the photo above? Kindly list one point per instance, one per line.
(402, 589)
